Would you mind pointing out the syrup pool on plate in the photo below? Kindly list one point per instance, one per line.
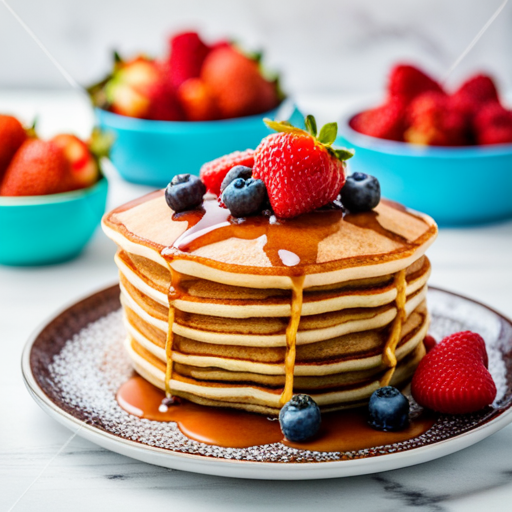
(341, 431)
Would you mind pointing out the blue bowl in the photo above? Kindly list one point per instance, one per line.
(152, 152)
(39, 230)
(457, 186)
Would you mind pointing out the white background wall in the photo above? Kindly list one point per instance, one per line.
(321, 46)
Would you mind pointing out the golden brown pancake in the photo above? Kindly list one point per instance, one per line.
(242, 313)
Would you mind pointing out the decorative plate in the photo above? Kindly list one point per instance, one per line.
(75, 363)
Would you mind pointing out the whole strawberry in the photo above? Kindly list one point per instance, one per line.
(12, 136)
(453, 377)
(187, 56)
(493, 125)
(38, 168)
(213, 173)
(384, 122)
(301, 171)
(197, 100)
(237, 84)
(407, 82)
(473, 94)
(434, 122)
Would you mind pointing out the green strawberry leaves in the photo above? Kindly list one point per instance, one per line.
(326, 137)
(310, 123)
(328, 133)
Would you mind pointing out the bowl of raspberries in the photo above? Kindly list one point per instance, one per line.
(52, 194)
(199, 102)
(433, 149)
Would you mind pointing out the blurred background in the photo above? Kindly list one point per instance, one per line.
(321, 47)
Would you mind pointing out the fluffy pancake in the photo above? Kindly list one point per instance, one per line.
(243, 313)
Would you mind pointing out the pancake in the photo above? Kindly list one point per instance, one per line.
(243, 313)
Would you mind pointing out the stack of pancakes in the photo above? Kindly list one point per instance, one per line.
(331, 304)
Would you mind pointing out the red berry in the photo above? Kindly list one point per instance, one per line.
(38, 168)
(407, 82)
(164, 104)
(83, 169)
(300, 172)
(434, 122)
(429, 342)
(453, 377)
(12, 136)
(384, 122)
(187, 56)
(493, 124)
(237, 84)
(213, 173)
(197, 100)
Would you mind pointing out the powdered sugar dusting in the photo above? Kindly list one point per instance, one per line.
(91, 366)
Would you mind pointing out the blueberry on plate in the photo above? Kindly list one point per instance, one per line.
(185, 192)
(361, 192)
(238, 171)
(388, 409)
(244, 197)
(300, 418)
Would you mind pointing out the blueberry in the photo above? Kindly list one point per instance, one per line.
(300, 418)
(238, 171)
(388, 409)
(185, 192)
(244, 197)
(361, 192)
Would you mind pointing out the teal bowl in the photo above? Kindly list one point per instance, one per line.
(153, 152)
(40, 230)
(457, 186)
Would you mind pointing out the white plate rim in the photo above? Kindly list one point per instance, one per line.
(254, 469)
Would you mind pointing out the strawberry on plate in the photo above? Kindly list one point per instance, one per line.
(212, 173)
(38, 168)
(12, 136)
(302, 171)
(453, 377)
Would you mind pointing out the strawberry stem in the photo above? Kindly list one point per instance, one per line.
(326, 137)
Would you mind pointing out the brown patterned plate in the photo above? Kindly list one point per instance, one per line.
(74, 365)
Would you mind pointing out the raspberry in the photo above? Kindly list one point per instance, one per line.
(213, 173)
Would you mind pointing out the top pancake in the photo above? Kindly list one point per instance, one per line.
(260, 252)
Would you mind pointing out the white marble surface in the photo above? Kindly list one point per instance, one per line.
(475, 262)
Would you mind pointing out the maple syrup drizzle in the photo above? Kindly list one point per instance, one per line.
(230, 428)
(291, 337)
(389, 353)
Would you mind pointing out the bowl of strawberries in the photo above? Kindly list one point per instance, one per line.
(432, 149)
(198, 103)
(52, 194)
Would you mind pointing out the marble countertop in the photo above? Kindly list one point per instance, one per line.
(39, 471)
